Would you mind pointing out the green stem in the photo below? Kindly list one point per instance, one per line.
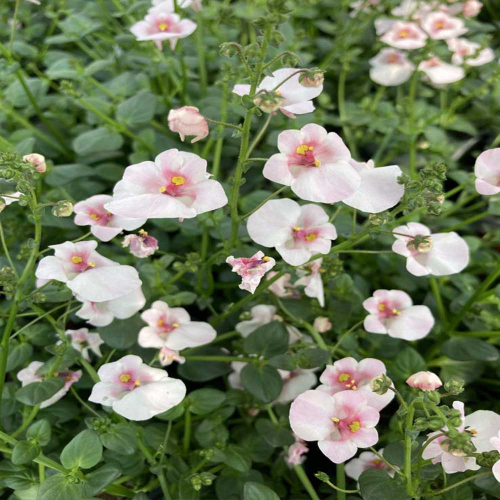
(343, 112)
(340, 487)
(220, 130)
(381, 457)
(468, 221)
(200, 49)
(27, 421)
(90, 370)
(439, 301)
(225, 359)
(408, 449)
(224, 124)
(459, 483)
(158, 470)
(187, 430)
(83, 403)
(411, 125)
(13, 26)
(301, 474)
(259, 135)
(270, 197)
(344, 335)
(6, 251)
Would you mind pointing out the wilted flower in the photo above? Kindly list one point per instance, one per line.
(188, 121)
(425, 381)
(38, 161)
(310, 278)
(487, 171)
(283, 287)
(322, 324)
(84, 342)
(296, 452)
(251, 270)
(168, 356)
(141, 245)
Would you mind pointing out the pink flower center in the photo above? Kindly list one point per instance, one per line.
(129, 381)
(80, 264)
(101, 218)
(304, 235)
(393, 59)
(162, 26)
(304, 156)
(165, 327)
(347, 425)
(347, 381)
(387, 311)
(174, 187)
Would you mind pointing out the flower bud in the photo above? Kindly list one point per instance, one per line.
(38, 161)
(454, 387)
(433, 397)
(312, 79)
(63, 208)
(455, 421)
(322, 324)
(425, 381)
(381, 384)
(435, 423)
(269, 103)
(421, 424)
(188, 121)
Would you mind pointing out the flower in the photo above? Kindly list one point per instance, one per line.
(104, 225)
(262, 315)
(173, 328)
(314, 163)
(251, 269)
(38, 161)
(296, 452)
(297, 232)
(487, 172)
(441, 255)
(411, 9)
(84, 342)
(379, 189)
(495, 443)
(176, 184)
(297, 99)
(135, 390)
(393, 312)
(9, 198)
(366, 460)
(472, 8)
(103, 313)
(322, 324)
(282, 287)
(390, 67)
(311, 279)
(441, 26)
(347, 374)
(29, 375)
(469, 52)
(404, 35)
(182, 4)
(162, 24)
(188, 121)
(425, 381)
(312, 80)
(341, 423)
(441, 73)
(141, 245)
(87, 273)
(168, 356)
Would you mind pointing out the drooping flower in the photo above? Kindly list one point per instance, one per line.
(297, 232)
(404, 35)
(469, 53)
(441, 254)
(188, 121)
(103, 313)
(135, 390)
(29, 375)
(367, 460)
(251, 269)
(141, 245)
(441, 26)
(391, 67)
(441, 73)
(173, 328)
(296, 452)
(84, 342)
(175, 185)
(310, 278)
(168, 356)
(322, 324)
(314, 163)
(87, 273)
(347, 374)
(297, 99)
(104, 225)
(379, 189)
(283, 287)
(393, 312)
(487, 172)
(341, 423)
(425, 381)
(161, 24)
(37, 160)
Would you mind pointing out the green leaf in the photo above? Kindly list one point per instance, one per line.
(257, 491)
(283, 362)
(275, 435)
(99, 479)
(122, 333)
(18, 355)
(237, 458)
(201, 371)
(408, 362)
(469, 349)
(263, 382)
(40, 431)
(65, 174)
(24, 452)
(204, 401)
(60, 487)
(37, 392)
(99, 140)
(376, 484)
(268, 340)
(311, 357)
(121, 438)
(83, 451)
(137, 110)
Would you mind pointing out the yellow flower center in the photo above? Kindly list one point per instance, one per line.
(76, 259)
(404, 34)
(142, 232)
(137, 383)
(163, 189)
(160, 322)
(125, 378)
(472, 431)
(91, 264)
(311, 237)
(297, 228)
(303, 149)
(439, 25)
(163, 26)
(381, 307)
(266, 259)
(94, 216)
(354, 426)
(335, 420)
(175, 325)
(317, 163)
(344, 377)
(178, 180)
(396, 312)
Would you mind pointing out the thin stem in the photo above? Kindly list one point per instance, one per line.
(6, 251)
(270, 197)
(344, 335)
(27, 421)
(83, 403)
(200, 49)
(407, 457)
(259, 135)
(187, 430)
(13, 26)
(439, 301)
(381, 457)
(220, 130)
(340, 473)
(158, 470)
(224, 124)
(38, 318)
(466, 222)
(90, 370)
(41, 473)
(343, 112)
(301, 474)
(459, 483)
(411, 125)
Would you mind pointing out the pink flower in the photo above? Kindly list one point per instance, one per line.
(297, 99)
(347, 374)
(411, 9)
(29, 376)
(366, 461)
(104, 225)
(404, 35)
(390, 67)
(282, 287)
(175, 185)
(393, 312)
(182, 4)
(379, 189)
(314, 163)
(441, 255)
(297, 232)
(472, 8)
(487, 172)
(162, 24)
(322, 324)
(296, 452)
(495, 443)
(188, 121)
(441, 26)
(103, 313)
(168, 356)
(38, 161)
(251, 269)
(84, 342)
(441, 73)
(141, 245)
(173, 328)
(136, 391)
(311, 279)
(469, 52)
(341, 423)
(425, 381)
(87, 273)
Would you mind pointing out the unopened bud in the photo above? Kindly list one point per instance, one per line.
(421, 424)
(63, 208)
(322, 324)
(269, 103)
(312, 79)
(38, 161)
(435, 423)
(433, 397)
(381, 384)
(454, 387)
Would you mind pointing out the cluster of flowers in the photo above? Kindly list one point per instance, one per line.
(419, 25)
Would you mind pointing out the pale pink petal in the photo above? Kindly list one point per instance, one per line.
(338, 451)
(193, 334)
(413, 323)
